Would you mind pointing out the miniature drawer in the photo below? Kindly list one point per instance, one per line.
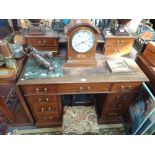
(43, 42)
(119, 42)
(42, 99)
(38, 89)
(115, 50)
(47, 117)
(82, 88)
(125, 86)
(44, 109)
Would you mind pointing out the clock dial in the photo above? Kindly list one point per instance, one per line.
(83, 41)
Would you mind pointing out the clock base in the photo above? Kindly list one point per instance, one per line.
(80, 63)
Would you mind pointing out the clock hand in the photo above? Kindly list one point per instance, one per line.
(79, 43)
(82, 42)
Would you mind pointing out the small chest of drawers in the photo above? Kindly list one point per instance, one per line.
(117, 45)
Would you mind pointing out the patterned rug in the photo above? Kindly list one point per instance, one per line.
(113, 129)
(3, 124)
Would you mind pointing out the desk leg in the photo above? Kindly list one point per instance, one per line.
(24, 104)
(7, 113)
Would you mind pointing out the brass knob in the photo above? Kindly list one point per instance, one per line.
(37, 90)
(118, 41)
(81, 88)
(122, 87)
(44, 41)
(113, 114)
(129, 87)
(88, 88)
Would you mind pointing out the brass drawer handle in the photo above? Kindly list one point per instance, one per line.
(118, 106)
(113, 114)
(44, 41)
(119, 41)
(84, 88)
(127, 88)
(43, 101)
(44, 110)
(121, 97)
(116, 51)
(41, 91)
(45, 118)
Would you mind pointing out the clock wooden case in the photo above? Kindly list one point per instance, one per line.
(81, 43)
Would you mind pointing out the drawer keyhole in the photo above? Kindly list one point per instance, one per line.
(43, 101)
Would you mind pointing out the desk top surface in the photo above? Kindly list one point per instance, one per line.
(97, 74)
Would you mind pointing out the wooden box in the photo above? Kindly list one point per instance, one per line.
(149, 53)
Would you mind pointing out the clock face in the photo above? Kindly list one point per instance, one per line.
(83, 41)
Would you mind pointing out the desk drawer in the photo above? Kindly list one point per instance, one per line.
(47, 117)
(125, 86)
(43, 104)
(38, 89)
(119, 42)
(120, 97)
(42, 99)
(43, 42)
(44, 109)
(82, 88)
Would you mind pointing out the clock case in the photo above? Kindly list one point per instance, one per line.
(73, 58)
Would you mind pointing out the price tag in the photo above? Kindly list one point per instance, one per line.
(83, 80)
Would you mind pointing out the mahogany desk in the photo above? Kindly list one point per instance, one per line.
(41, 98)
